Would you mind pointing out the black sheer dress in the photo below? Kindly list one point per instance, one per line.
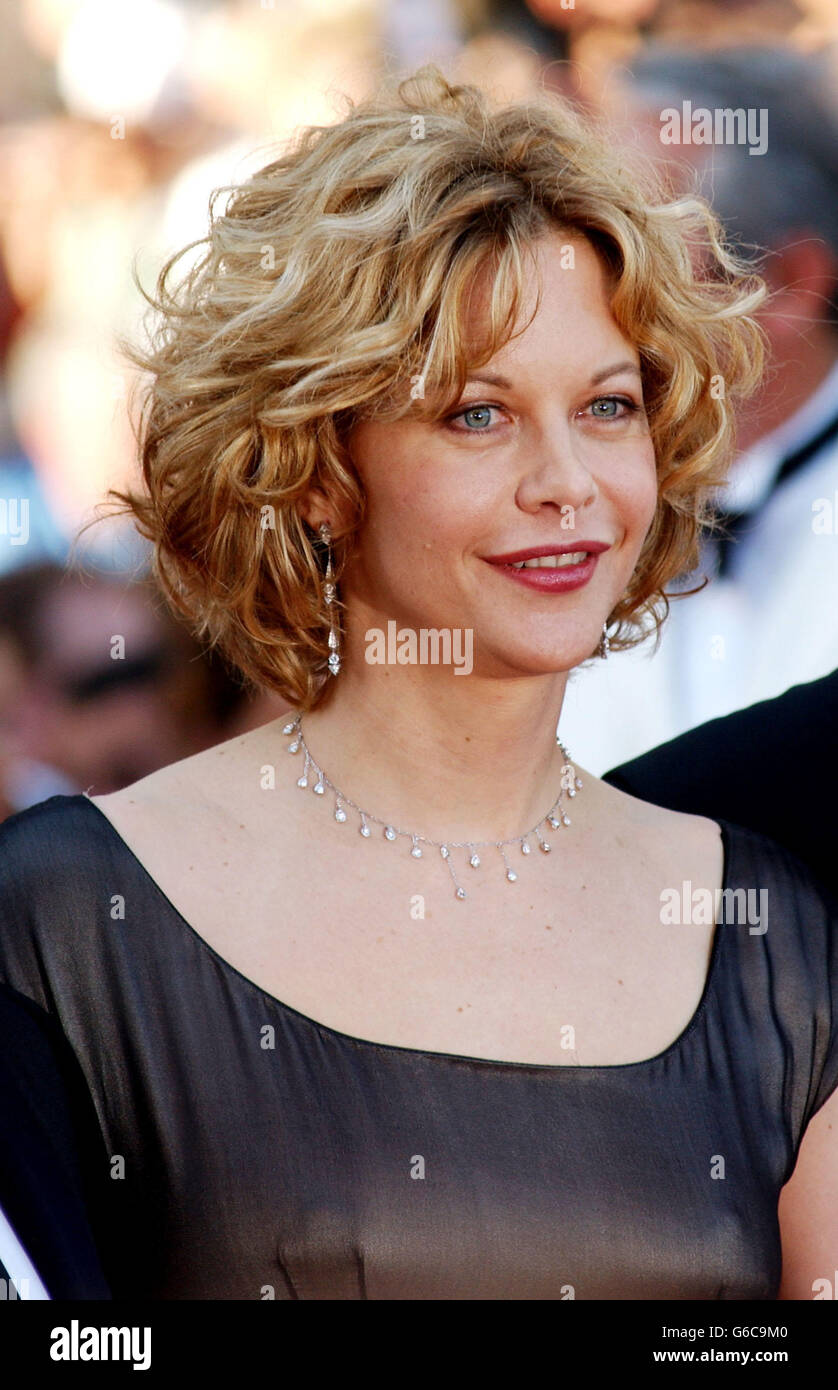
(250, 1152)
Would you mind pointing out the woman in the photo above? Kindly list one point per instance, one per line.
(407, 1014)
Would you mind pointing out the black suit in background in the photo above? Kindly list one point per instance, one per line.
(52, 1158)
(772, 767)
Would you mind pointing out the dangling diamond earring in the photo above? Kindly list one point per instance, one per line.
(329, 597)
(604, 645)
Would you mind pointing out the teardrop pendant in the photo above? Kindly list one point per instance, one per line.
(555, 818)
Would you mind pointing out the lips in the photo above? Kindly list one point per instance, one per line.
(554, 569)
(539, 552)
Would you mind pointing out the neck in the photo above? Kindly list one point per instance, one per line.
(449, 757)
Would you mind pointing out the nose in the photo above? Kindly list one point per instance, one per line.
(555, 471)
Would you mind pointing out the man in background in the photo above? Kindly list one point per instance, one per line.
(769, 616)
(772, 767)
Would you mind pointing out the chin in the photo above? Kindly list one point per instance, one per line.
(522, 661)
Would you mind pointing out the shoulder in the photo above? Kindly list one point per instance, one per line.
(751, 855)
(789, 941)
(42, 839)
(674, 844)
(51, 861)
(209, 776)
(48, 845)
(785, 924)
(780, 926)
(182, 807)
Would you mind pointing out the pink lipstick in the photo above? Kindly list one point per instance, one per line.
(555, 578)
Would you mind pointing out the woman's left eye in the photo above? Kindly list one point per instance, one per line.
(631, 407)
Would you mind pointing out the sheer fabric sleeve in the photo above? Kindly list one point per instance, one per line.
(37, 890)
(57, 883)
(802, 937)
(823, 953)
(51, 874)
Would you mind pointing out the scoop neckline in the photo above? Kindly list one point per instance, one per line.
(500, 1064)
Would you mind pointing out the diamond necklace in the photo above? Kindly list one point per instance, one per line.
(555, 817)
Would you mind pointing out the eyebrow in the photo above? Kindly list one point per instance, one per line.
(495, 379)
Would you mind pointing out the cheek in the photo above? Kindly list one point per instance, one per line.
(637, 494)
(431, 512)
(411, 529)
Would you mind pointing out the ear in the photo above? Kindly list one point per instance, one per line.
(316, 508)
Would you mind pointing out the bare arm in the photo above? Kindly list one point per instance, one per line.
(808, 1211)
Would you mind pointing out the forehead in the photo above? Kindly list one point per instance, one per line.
(565, 308)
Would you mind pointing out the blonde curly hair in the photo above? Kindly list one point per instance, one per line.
(338, 275)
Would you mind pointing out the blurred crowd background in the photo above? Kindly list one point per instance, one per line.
(119, 117)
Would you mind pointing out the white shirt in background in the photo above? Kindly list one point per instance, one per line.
(770, 623)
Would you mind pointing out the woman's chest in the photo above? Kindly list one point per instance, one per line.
(561, 967)
(574, 961)
(316, 1169)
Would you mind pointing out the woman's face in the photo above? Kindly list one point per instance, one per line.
(550, 450)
